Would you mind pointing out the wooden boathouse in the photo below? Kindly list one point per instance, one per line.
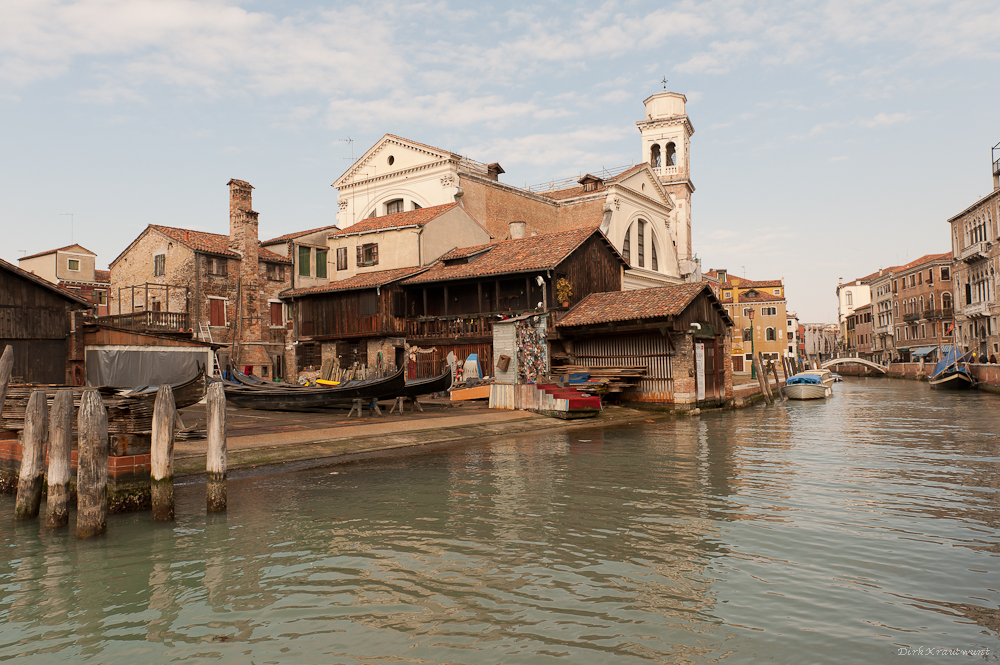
(681, 334)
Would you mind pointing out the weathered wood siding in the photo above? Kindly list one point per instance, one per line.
(592, 268)
(361, 313)
(34, 321)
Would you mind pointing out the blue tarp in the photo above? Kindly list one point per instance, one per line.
(951, 357)
(803, 378)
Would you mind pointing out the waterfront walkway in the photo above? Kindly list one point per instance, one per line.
(257, 438)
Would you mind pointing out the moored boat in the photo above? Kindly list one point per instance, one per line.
(952, 373)
(825, 375)
(299, 399)
(435, 384)
(807, 385)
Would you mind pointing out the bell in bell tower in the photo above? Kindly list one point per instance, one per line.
(666, 143)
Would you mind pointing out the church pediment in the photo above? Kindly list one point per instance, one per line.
(644, 182)
(392, 154)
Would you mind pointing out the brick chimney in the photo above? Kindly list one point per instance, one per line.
(244, 240)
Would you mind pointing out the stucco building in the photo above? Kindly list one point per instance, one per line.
(758, 311)
(976, 252)
(643, 209)
(922, 307)
(73, 267)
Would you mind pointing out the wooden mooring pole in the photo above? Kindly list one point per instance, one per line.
(6, 366)
(162, 455)
(60, 462)
(762, 380)
(33, 441)
(92, 467)
(216, 465)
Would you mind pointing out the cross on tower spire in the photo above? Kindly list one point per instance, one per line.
(664, 82)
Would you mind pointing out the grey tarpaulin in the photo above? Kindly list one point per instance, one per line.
(131, 366)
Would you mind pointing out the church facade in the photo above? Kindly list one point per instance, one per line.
(644, 210)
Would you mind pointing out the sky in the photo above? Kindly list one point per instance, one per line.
(831, 138)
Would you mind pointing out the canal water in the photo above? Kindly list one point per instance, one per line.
(853, 530)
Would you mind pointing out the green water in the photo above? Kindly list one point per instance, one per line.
(801, 533)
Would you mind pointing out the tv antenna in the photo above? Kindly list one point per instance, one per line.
(64, 214)
(350, 142)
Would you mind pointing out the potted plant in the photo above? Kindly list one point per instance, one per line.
(564, 291)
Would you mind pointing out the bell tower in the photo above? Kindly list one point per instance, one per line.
(666, 147)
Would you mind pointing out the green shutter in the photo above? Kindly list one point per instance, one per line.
(321, 263)
(304, 261)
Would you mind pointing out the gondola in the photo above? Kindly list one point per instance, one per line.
(435, 384)
(299, 399)
(185, 394)
(257, 382)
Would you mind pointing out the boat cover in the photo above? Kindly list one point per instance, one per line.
(804, 378)
(950, 358)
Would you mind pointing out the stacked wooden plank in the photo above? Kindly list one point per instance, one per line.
(611, 379)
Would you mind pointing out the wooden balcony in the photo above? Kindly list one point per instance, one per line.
(450, 327)
(158, 322)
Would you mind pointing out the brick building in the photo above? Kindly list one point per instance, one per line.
(221, 288)
(73, 267)
(863, 332)
(922, 306)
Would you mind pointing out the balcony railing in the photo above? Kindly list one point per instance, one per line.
(149, 321)
(475, 325)
(977, 309)
(977, 251)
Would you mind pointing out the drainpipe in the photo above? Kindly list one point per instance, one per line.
(420, 247)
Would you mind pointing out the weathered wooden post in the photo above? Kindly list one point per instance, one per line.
(777, 381)
(162, 457)
(60, 463)
(762, 380)
(6, 366)
(33, 440)
(92, 467)
(216, 466)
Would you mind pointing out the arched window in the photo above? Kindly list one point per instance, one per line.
(849, 298)
(930, 302)
(654, 264)
(769, 335)
(671, 156)
(746, 334)
(641, 243)
(394, 206)
(627, 246)
(945, 300)
(921, 305)
(654, 156)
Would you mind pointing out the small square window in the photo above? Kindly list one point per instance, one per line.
(73, 264)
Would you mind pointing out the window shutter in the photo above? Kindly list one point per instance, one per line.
(375, 254)
(361, 256)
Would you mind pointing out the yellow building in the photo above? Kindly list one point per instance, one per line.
(763, 331)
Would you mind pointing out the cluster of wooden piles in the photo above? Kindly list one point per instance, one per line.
(612, 380)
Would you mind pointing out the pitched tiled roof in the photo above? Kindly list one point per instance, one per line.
(365, 280)
(541, 252)
(213, 243)
(102, 276)
(396, 220)
(751, 284)
(632, 305)
(297, 234)
(571, 192)
(53, 251)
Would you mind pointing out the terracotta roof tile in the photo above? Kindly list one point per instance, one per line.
(571, 192)
(297, 234)
(365, 280)
(103, 276)
(760, 297)
(541, 252)
(213, 243)
(751, 284)
(652, 303)
(396, 220)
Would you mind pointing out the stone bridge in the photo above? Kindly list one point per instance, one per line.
(854, 361)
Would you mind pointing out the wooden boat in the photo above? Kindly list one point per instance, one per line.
(807, 385)
(305, 399)
(825, 375)
(435, 384)
(185, 394)
(257, 382)
(952, 373)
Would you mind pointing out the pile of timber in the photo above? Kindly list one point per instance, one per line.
(614, 379)
(127, 413)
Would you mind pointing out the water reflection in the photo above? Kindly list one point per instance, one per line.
(799, 533)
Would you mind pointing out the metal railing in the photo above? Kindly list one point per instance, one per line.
(603, 174)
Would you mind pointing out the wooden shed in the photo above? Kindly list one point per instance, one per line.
(35, 322)
(680, 334)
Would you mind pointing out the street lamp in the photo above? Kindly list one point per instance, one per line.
(753, 368)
